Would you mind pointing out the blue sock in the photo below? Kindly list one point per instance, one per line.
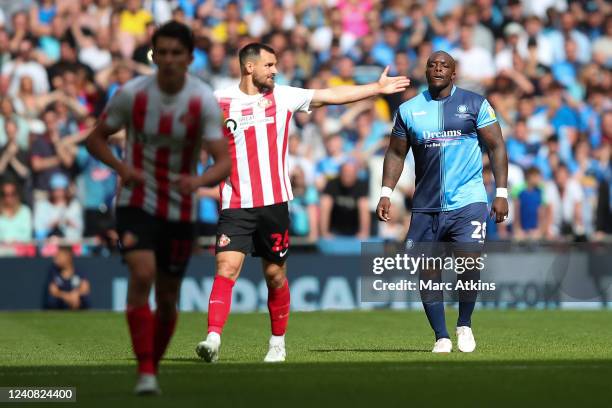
(467, 298)
(465, 313)
(435, 315)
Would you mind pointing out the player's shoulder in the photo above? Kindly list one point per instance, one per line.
(468, 96)
(415, 103)
(230, 92)
(197, 85)
(135, 85)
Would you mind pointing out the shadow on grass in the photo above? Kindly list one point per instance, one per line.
(559, 383)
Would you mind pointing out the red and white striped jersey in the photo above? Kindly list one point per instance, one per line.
(164, 138)
(257, 128)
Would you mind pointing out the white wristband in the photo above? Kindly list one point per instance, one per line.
(386, 192)
(501, 192)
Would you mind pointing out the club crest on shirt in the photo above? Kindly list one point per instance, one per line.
(264, 102)
(223, 241)
(462, 112)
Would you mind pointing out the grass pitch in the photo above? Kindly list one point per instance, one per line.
(335, 359)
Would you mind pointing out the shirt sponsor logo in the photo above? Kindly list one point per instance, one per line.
(247, 121)
(420, 113)
(462, 108)
(444, 134)
(231, 124)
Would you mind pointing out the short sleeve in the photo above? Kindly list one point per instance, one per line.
(296, 99)
(486, 115)
(212, 118)
(400, 128)
(116, 112)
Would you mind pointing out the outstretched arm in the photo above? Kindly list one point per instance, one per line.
(496, 147)
(351, 93)
(392, 170)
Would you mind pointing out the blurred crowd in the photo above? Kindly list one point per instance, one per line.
(544, 66)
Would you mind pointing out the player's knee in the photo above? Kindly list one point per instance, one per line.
(228, 269)
(275, 275)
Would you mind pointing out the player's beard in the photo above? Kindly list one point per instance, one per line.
(263, 84)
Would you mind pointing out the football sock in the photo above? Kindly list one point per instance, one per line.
(219, 303)
(465, 314)
(163, 333)
(433, 303)
(141, 325)
(279, 301)
(435, 315)
(467, 298)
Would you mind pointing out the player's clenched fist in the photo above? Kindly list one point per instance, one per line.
(187, 184)
(382, 210)
(499, 209)
(130, 176)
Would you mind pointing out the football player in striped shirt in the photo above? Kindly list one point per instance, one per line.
(254, 216)
(169, 117)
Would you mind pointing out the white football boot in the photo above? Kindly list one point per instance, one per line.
(208, 349)
(465, 339)
(276, 352)
(443, 345)
(147, 385)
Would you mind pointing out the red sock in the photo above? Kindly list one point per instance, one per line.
(141, 324)
(163, 333)
(219, 303)
(279, 301)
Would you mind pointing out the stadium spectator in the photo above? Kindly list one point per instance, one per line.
(7, 111)
(13, 159)
(15, 217)
(49, 155)
(328, 167)
(476, 67)
(564, 195)
(132, 26)
(344, 205)
(550, 70)
(208, 206)
(303, 210)
(531, 216)
(60, 215)
(520, 151)
(24, 64)
(67, 288)
(96, 187)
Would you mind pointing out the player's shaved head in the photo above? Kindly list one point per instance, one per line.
(440, 74)
(444, 55)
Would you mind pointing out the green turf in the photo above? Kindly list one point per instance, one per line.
(371, 359)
